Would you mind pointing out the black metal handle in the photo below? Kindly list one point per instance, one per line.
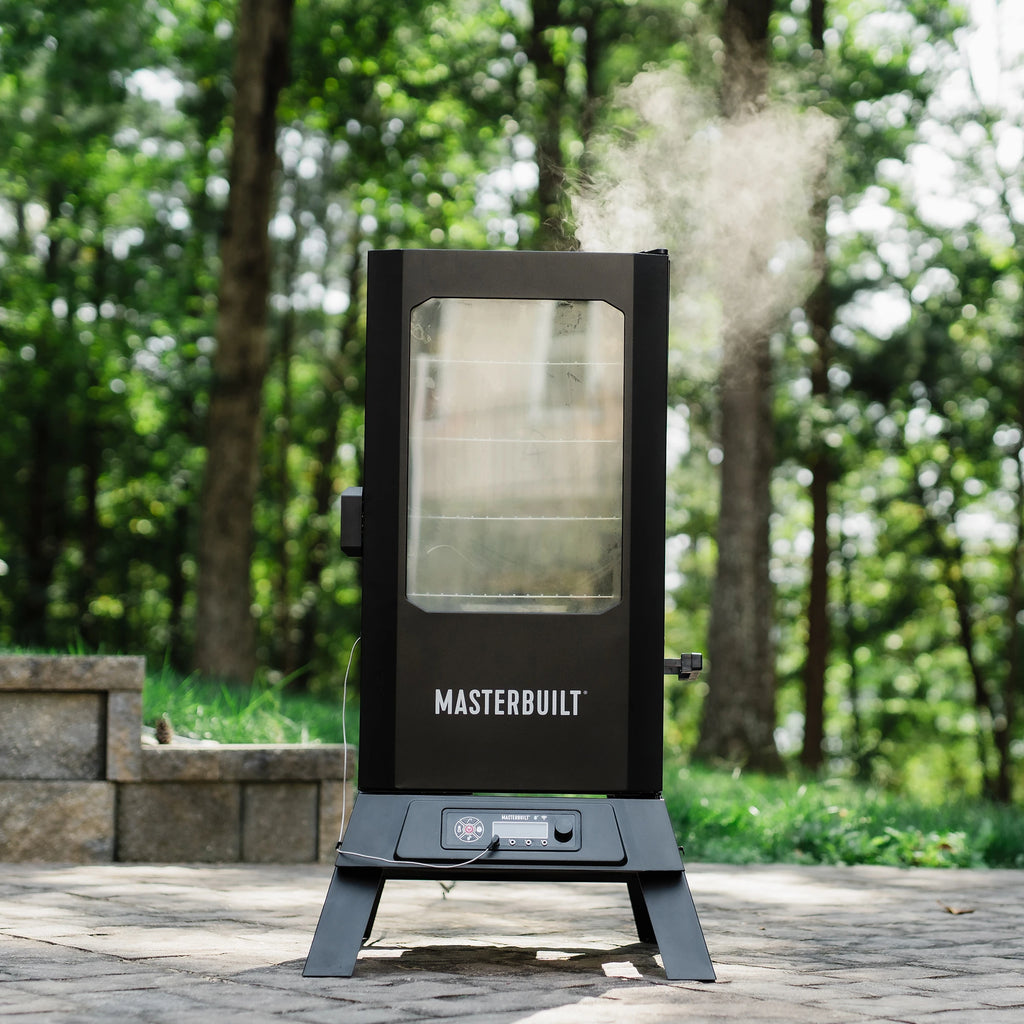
(352, 521)
(686, 666)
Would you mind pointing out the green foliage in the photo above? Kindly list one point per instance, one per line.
(414, 125)
(741, 818)
(263, 712)
(922, 422)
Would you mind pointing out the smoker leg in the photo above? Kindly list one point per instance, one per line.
(345, 922)
(676, 928)
(644, 930)
(373, 912)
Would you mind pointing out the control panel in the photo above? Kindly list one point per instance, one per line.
(490, 830)
(521, 830)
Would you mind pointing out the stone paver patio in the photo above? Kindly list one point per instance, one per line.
(162, 943)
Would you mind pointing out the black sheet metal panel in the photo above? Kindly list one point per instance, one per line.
(437, 685)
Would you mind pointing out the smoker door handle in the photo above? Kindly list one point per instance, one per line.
(686, 666)
(352, 521)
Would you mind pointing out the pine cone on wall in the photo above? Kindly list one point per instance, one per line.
(164, 730)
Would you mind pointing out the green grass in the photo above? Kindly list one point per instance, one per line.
(743, 818)
(259, 713)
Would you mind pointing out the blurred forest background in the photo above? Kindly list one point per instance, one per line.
(846, 481)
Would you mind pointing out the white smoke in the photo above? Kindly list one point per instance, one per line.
(731, 200)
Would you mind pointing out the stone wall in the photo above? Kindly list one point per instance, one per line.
(77, 786)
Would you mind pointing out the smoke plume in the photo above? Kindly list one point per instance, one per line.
(731, 200)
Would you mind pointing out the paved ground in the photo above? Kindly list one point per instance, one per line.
(162, 944)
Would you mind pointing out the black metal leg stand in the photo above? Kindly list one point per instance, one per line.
(675, 927)
(613, 840)
(644, 930)
(373, 912)
(345, 923)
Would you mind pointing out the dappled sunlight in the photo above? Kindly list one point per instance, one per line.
(859, 889)
(772, 886)
(168, 889)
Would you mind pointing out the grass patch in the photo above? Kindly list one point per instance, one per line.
(745, 818)
(259, 713)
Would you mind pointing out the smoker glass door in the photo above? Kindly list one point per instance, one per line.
(515, 456)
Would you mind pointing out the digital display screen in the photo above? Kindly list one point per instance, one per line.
(520, 829)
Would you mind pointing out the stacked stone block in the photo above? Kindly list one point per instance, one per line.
(77, 785)
(272, 803)
(69, 732)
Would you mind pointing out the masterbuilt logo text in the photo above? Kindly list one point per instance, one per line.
(508, 702)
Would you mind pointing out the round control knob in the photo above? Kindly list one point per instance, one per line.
(564, 827)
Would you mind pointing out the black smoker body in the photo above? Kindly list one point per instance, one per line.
(511, 525)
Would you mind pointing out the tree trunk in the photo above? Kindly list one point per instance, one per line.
(42, 543)
(819, 314)
(851, 641)
(818, 629)
(177, 585)
(739, 712)
(1004, 726)
(282, 646)
(551, 205)
(225, 634)
(49, 462)
(745, 71)
(738, 724)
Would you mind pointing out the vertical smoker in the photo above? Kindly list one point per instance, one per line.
(511, 525)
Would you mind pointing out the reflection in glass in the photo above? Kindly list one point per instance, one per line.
(515, 456)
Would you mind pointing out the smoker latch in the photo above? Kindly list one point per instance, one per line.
(352, 521)
(686, 666)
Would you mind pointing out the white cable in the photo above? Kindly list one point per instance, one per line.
(491, 847)
(344, 733)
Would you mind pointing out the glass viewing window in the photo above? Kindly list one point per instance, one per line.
(515, 456)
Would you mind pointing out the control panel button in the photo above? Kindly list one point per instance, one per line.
(564, 827)
(469, 829)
